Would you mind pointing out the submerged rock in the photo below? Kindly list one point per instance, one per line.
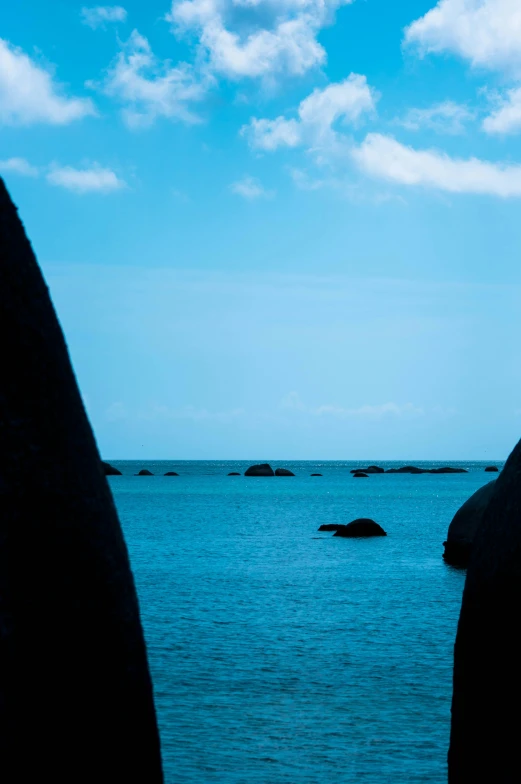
(76, 701)
(331, 526)
(315, 474)
(234, 473)
(145, 472)
(264, 469)
(109, 470)
(492, 469)
(362, 527)
(283, 472)
(170, 473)
(484, 744)
(464, 525)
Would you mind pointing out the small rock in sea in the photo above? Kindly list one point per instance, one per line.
(264, 469)
(283, 472)
(406, 470)
(368, 470)
(145, 472)
(492, 469)
(171, 473)
(362, 527)
(331, 526)
(360, 475)
(109, 470)
(448, 470)
(234, 473)
(315, 474)
(464, 525)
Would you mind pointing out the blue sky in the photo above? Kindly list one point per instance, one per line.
(276, 229)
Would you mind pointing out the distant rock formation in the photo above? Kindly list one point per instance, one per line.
(368, 470)
(234, 473)
(76, 701)
(145, 472)
(109, 470)
(360, 475)
(484, 744)
(492, 469)
(464, 525)
(331, 526)
(264, 469)
(448, 470)
(363, 527)
(168, 473)
(416, 470)
(315, 474)
(283, 472)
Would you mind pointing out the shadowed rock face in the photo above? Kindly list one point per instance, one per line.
(109, 470)
(264, 469)
(464, 525)
(284, 472)
(75, 693)
(484, 744)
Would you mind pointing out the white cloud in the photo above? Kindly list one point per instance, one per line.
(446, 117)
(87, 180)
(29, 95)
(486, 32)
(342, 101)
(507, 116)
(100, 15)
(293, 402)
(256, 38)
(250, 188)
(304, 182)
(384, 157)
(19, 166)
(150, 88)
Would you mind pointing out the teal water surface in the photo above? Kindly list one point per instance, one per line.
(280, 654)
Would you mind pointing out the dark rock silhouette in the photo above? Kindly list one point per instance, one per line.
(315, 474)
(331, 527)
(109, 470)
(234, 473)
(260, 470)
(145, 472)
(406, 470)
(464, 525)
(76, 699)
(283, 472)
(368, 470)
(492, 469)
(171, 473)
(362, 527)
(484, 745)
(448, 470)
(360, 475)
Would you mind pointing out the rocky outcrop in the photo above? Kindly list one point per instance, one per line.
(145, 472)
(406, 470)
(368, 470)
(109, 470)
(492, 469)
(234, 473)
(464, 525)
(168, 473)
(76, 700)
(484, 744)
(264, 469)
(360, 475)
(448, 470)
(315, 474)
(363, 527)
(283, 472)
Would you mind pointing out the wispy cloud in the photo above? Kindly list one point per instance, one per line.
(446, 117)
(101, 15)
(250, 188)
(384, 157)
(18, 166)
(292, 402)
(506, 117)
(91, 179)
(149, 88)
(29, 94)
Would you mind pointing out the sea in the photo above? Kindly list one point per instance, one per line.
(281, 655)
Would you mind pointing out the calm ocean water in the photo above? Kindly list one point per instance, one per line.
(283, 655)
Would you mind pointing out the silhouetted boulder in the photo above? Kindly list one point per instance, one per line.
(360, 475)
(368, 470)
(109, 470)
(169, 473)
(76, 700)
(315, 474)
(234, 473)
(145, 472)
(362, 527)
(484, 744)
(448, 470)
(331, 527)
(260, 470)
(283, 472)
(492, 469)
(464, 525)
(406, 470)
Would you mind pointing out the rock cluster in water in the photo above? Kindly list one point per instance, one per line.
(76, 701)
